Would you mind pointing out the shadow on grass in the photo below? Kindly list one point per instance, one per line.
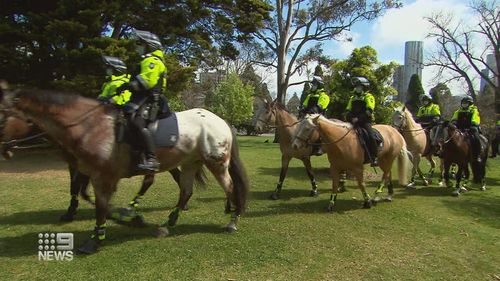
(52, 216)
(483, 209)
(27, 244)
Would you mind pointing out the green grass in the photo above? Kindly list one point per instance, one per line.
(424, 234)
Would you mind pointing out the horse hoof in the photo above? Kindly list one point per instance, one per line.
(230, 228)
(329, 208)
(162, 231)
(463, 189)
(274, 196)
(388, 199)
(440, 184)
(376, 199)
(455, 193)
(482, 188)
(367, 204)
(89, 247)
(185, 208)
(426, 182)
(411, 186)
(67, 217)
(314, 193)
(342, 189)
(138, 221)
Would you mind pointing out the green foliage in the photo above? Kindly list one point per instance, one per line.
(58, 43)
(415, 92)
(233, 100)
(362, 62)
(437, 91)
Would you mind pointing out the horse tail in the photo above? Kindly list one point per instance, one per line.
(479, 169)
(404, 165)
(238, 176)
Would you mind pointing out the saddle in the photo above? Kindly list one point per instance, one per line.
(164, 130)
(363, 135)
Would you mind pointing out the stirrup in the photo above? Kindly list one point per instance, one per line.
(150, 165)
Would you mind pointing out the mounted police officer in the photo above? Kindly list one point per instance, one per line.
(467, 118)
(147, 86)
(360, 113)
(429, 113)
(317, 99)
(116, 76)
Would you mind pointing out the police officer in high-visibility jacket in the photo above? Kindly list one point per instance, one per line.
(467, 118)
(360, 113)
(116, 76)
(147, 86)
(317, 99)
(429, 113)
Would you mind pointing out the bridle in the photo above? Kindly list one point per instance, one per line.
(266, 121)
(403, 123)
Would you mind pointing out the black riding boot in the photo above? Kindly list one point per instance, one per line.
(373, 147)
(150, 162)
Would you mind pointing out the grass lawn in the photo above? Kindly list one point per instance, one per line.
(425, 234)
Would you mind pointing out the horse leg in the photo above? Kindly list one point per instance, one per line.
(78, 182)
(343, 177)
(441, 172)
(314, 186)
(103, 191)
(186, 182)
(361, 183)
(446, 173)
(414, 171)
(419, 171)
(458, 179)
(335, 173)
(285, 161)
(430, 174)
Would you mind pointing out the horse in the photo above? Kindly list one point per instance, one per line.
(455, 149)
(15, 129)
(340, 142)
(417, 143)
(275, 114)
(86, 129)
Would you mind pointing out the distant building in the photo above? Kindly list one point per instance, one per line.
(413, 64)
(490, 61)
(214, 77)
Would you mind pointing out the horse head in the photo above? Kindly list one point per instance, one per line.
(304, 131)
(399, 118)
(265, 116)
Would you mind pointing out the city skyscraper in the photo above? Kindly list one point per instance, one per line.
(413, 64)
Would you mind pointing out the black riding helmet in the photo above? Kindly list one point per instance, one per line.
(149, 38)
(115, 63)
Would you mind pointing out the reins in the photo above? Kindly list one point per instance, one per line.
(18, 141)
(83, 116)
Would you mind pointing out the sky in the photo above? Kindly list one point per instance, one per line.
(388, 34)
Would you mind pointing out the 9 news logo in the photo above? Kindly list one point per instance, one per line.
(55, 246)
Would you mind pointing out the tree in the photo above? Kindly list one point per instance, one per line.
(293, 104)
(58, 43)
(233, 100)
(462, 51)
(297, 24)
(362, 62)
(437, 91)
(415, 93)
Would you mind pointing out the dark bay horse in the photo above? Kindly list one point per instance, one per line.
(15, 128)
(341, 144)
(86, 130)
(455, 146)
(276, 114)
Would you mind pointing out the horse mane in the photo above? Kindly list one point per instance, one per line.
(280, 106)
(410, 121)
(48, 98)
(338, 123)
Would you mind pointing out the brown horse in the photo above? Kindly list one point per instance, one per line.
(15, 128)
(418, 144)
(341, 144)
(86, 130)
(276, 114)
(456, 149)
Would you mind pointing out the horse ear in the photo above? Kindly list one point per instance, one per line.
(315, 119)
(404, 108)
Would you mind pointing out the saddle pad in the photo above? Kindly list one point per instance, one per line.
(167, 132)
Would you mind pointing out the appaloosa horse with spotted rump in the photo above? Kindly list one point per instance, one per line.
(86, 130)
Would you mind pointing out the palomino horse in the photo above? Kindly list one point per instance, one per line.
(275, 114)
(416, 140)
(455, 148)
(86, 130)
(341, 144)
(15, 129)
